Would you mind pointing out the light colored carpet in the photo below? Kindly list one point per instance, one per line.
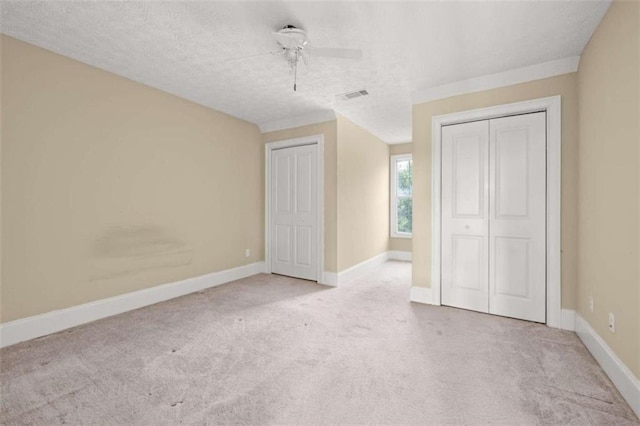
(271, 349)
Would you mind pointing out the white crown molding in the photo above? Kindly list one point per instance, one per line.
(494, 81)
(297, 121)
(52, 322)
(623, 378)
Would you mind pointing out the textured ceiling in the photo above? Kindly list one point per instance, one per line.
(182, 47)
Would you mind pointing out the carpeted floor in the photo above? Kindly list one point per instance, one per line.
(272, 349)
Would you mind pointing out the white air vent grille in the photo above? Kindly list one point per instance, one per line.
(352, 95)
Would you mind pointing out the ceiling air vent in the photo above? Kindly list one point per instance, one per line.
(352, 95)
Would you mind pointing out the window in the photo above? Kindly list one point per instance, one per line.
(401, 196)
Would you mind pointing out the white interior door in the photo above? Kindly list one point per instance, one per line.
(493, 236)
(294, 212)
(517, 226)
(465, 219)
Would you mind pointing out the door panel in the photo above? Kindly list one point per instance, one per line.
(304, 191)
(517, 230)
(468, 165)
(294, 212)
(511, 275)
(468, 259)
(511, 174)
(465, 216)
(283, 184)
(283, 236)
(303, 245)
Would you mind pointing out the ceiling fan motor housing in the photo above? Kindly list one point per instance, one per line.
(291, 38)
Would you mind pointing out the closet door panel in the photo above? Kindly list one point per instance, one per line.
(465, 216)
(517, 226)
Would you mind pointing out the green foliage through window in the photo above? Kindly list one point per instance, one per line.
(405, 214)
(404, 192)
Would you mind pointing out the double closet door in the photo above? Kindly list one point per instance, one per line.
(494, 216)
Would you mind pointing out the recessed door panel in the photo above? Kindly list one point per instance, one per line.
(512, 267)
(303, 246)
(303, 182)
(512, 173)
(283, 185)
(283, 248)
(468, 262)
(468, 165)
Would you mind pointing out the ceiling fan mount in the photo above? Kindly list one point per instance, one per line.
(291, 37)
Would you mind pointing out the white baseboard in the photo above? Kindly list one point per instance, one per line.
(568, 320)
(362, 268)
(421, 295)
(51, 322)
(424, 295)
(329, 278)
(400, 255)
(627, 383)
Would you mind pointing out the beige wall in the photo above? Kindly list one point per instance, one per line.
(609, 91)
(363, 195)
(110, 186)
(400, 148)
(329, 130)
(400, 244)
(565, 86)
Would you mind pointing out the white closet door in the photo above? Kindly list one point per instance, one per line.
(517, 228)
(294, 212)
(465, 184)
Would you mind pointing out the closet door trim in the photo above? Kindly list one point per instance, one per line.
(552, 107)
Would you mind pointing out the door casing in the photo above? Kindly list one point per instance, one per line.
(552, 107)
(288, 143)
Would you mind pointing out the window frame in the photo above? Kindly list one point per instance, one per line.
(393, 201)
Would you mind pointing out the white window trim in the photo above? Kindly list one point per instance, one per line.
(393, 199)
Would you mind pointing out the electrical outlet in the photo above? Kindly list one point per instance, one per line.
(247, 253)
(612, 323)
(591, 303)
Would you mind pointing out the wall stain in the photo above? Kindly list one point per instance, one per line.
(127, 250)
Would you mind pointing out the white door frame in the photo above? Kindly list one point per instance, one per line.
(289, 143)
(552, 106)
